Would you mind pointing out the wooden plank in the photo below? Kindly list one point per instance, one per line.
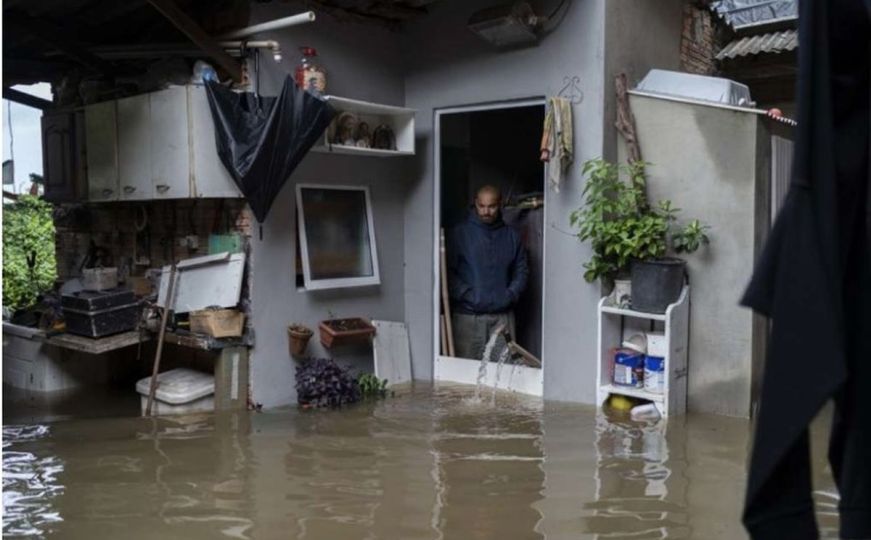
(188, 340)
(446, 300)
(98, 345)
(201, 39)
(182, 338)
(26, 99)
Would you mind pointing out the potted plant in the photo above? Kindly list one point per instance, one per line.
(334, 332)
(298, 336)
(630, 238)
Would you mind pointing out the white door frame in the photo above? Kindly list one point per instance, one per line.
(522, 379)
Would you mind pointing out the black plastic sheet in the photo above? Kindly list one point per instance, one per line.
(261, 140)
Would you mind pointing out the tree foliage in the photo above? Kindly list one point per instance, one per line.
(29, 266)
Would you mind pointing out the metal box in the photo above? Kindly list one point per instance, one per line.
(94, 300)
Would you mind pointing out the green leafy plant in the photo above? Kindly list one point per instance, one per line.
(371, 386)
(29, 266)
(691, 237)
(621, 225)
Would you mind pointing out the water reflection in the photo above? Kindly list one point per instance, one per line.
(487, 465)
(640, 489)
(426, 464)
(30, 483)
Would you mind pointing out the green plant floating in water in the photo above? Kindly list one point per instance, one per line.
(371, 386)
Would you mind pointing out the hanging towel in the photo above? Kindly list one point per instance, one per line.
(557, 147)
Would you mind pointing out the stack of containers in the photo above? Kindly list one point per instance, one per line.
(641, 363)
(654, 363)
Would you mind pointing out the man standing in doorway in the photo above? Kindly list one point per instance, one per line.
(487, 270)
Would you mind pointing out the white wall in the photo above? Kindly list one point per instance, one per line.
(362, 63)
(639, 36)
(448, 66)
(712, 162)
(436, 62)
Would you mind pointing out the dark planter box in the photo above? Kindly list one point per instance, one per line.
(335, 332)
(102, 322)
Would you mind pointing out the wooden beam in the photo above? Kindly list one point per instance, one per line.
(192, 30)
(56, 37)
(26, 99)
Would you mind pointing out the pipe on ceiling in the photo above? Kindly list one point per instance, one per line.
(293, 20)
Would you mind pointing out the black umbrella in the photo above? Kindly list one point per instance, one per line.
(261, 140)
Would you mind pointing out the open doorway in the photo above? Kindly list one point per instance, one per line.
(492, 145)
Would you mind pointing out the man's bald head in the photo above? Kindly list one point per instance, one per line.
(488, 199)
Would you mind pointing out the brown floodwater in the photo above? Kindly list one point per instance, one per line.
(428, 463)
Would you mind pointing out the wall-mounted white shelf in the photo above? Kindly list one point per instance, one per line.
(400, 120)
(617, 324)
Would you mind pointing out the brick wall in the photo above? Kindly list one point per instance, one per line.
(166, 227)
(698, 40)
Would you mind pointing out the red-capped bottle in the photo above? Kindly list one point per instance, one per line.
(310, 73)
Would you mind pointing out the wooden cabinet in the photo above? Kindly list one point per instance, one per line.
(134, 148)
(152, 146)
(102, 147)
(62, 167)
(170, 143)
(211, 178)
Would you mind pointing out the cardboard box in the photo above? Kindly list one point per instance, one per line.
(218, 323)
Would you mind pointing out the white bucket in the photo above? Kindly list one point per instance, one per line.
(179, 391)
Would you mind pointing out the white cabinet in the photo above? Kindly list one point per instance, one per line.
(211, 178)
(134, 148)
(154, 146)
(170, 143)
(617, 324)
(102, 147)
(399, 119)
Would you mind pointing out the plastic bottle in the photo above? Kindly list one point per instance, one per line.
(310, 73)
(647, 411)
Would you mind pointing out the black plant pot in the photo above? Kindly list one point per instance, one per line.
(656, 284)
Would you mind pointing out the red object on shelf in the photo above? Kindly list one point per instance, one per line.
(310, 74)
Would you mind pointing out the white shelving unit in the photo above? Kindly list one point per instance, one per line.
(617, 324)
(400, 120)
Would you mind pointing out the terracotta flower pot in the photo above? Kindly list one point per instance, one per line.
(298, 337)
(336, 332)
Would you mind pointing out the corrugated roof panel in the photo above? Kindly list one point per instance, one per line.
(775, 42)
(741, 13)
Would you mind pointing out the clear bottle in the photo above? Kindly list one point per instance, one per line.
(310, 73)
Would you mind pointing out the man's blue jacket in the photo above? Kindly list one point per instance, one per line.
(487, 266)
